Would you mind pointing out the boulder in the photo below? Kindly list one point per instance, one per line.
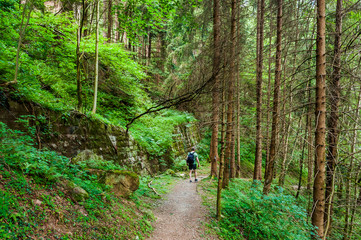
(123, 182)
(77, 193)
(85, 156)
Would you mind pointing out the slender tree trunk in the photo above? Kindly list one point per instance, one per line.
(275, 117)
(117, 26)
(238, 125)
(149, 48)
(257, 173)
(350, 170)
(110, 20)
(230, 102)
(320, 144)
(233, 145)
(357, 201)
(221, 160)
(85, 17)
(215, 95)
(269, 87)
(310, 152)
(286, 134)
(301, 163)
(28, 5)
(96, 62)
(332, 139)
(78, 57)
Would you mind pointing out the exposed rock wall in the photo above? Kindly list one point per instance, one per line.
(68, 134)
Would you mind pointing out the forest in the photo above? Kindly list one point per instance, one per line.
(268, 92)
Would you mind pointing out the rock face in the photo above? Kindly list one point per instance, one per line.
(74, 132)
(123, 183)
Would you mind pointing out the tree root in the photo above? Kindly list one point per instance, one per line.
(153, 188)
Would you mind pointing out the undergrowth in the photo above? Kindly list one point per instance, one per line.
(248, 214)
(35, 203)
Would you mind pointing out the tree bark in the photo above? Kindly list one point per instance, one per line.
(215, 92)
(110, 20)
(350, 170)
(230, 102)
(275, 117)
(96, 62)
(319, 179)
(257, 173)
(221, 160)
(78, 57)
(269, 87)
(332, 138)
(28, 4)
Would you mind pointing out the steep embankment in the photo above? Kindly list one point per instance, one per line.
(69, 192)
(69, 133)
(46, 195)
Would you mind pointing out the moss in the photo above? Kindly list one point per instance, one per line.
(125, 172)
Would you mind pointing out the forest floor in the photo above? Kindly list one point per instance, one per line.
(181, 215)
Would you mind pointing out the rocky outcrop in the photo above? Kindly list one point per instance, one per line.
(73, 132)
(122, 182)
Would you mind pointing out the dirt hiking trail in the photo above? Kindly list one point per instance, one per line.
(180, 214)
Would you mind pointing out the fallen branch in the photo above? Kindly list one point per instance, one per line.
(153, 188)
(187, 97)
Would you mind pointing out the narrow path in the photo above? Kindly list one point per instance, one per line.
(181, 214)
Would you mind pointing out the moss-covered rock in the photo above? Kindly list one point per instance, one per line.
(85, 156)
(123, 183)
(77, 193)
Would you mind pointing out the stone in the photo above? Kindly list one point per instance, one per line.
(77, 193)
(85, 156)
(123, 183)
(37, 202)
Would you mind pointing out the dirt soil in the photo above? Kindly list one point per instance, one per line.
(181, 214)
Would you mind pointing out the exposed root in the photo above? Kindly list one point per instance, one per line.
(153, 188)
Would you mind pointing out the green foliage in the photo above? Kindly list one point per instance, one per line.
(250, 214)
(155, 132)
(47, 74)
(27, 174)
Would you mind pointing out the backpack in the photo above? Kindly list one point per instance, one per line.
(190, 158)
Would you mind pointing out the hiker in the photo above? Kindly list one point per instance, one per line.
(192, 165)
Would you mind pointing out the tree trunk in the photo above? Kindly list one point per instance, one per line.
(350, 170)
(78, 56)
(257, 172)
(332, 138)
(238, 126)
(230, 101)
(110, 20)
(319, 179)
(238, 103)
(221, 160)
(301, 164)
(269, 87)
(275, 117)
(215, 94)
(28, 4)
(96, 62)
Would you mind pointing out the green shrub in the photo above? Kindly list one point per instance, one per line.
(250, 214)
